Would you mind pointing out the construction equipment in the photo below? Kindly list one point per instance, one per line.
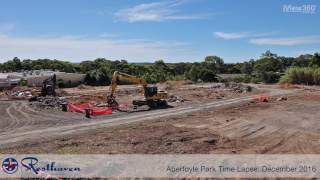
(49, 86)
(152, 97)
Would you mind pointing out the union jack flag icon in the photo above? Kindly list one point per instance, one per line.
(10, 165)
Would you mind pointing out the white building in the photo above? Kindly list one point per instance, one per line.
(35, 78)
(8, 80)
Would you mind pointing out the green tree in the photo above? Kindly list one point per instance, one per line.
(202, 71)
(17, 64)
(207, 75)
(1, 67)
(285, 62)
(269, 54)
(26, 64)
(247, 67)
(315, 61)
(215, 63)
(161, 71)
(302, 60)
(99, 77)
(194, 72)
(86, 66)
(267, 64)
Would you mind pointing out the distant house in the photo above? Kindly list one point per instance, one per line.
(35, 78)
(8, 80)
(63, 79)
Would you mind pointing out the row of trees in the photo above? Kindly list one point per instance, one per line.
(268, 68)
(16, 65)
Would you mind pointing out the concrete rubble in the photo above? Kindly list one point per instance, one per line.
(25, 93)
(173, 98)
(48, 102)
(238, 87)
(282, 98)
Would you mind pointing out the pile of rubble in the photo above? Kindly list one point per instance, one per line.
(238, 87)
(173, 98)
(48, 102)
(24, 94)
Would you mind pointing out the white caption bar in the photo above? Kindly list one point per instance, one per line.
(159, 166)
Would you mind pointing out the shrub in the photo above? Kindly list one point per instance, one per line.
(99, 77)
(23, 83)
(255, 80)
(306, 75)
(244, 79)
(269, 77)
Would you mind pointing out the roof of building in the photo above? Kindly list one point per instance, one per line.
(4, 76)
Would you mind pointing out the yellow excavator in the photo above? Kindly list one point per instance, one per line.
(152, 97)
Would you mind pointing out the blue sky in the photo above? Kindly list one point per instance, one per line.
(144, 31)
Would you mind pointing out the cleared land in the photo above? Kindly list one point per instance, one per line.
(212, 124)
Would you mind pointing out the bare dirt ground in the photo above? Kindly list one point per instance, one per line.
(243, 127)
(184, 89)
(21, 123)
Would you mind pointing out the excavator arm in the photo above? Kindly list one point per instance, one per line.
(153, 97)
(123, 77)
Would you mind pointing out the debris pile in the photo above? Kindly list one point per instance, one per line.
(282, 98)
(21, 93)
(238, 87)
(173, 98)
(48, 102)
(26, 94)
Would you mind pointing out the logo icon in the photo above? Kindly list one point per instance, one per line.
(10, 165)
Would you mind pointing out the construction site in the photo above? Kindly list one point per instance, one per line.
(192, 118)
(159, 89)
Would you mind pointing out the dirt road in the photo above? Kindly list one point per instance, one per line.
(19, 125)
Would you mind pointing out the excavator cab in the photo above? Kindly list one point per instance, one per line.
(49, 86)
(150, 91)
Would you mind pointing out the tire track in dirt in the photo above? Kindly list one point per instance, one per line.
(252, 132)
(21, 118)
(13, 119)
(17, 118)
(29, 121)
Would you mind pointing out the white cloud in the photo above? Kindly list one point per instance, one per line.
(156, 11)
(6, 28)
(75, 48)
(108, 35)
(286, 41)
(228, 36)
(239, 35)
(266, 39)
